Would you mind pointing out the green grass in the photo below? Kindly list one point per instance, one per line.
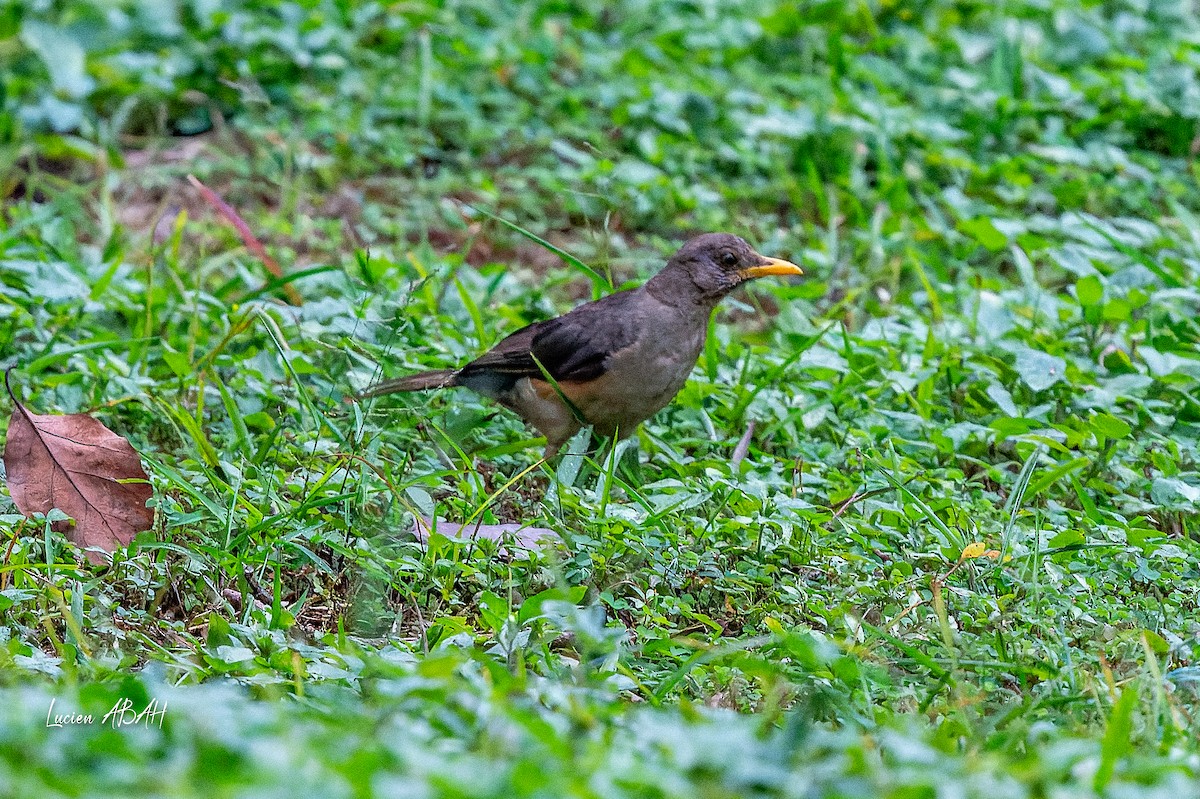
(958, 558)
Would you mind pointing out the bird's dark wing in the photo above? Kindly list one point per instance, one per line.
(511, 355)
(574, 346)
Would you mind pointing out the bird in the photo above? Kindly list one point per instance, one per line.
(613, 362)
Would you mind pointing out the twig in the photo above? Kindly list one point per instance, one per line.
(247, 235)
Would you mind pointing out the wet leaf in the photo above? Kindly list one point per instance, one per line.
(1039, 370)
(1174, 493)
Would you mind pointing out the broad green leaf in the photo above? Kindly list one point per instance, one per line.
(63, 56)
(1067, 538)
(1110, 426)
(1003, 399)
(1089, 290)
(1039, 370)
(1173, 492)
(985, 232)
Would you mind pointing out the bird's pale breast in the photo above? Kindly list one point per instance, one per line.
(639, 381)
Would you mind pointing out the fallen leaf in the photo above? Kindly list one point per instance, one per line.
(743, 446)
(520, 536)
(76, 464)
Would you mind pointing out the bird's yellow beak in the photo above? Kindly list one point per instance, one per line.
(768, 267)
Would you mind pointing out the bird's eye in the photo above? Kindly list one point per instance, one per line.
(728, 260)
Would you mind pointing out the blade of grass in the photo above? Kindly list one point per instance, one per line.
(1013, 506)
(595, 276)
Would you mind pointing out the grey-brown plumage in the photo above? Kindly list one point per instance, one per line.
(617, 360)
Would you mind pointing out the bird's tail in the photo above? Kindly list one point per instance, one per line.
(421, 381)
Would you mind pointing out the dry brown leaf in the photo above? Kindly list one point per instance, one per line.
(76, 464)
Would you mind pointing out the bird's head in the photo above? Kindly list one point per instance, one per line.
(710, 266)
